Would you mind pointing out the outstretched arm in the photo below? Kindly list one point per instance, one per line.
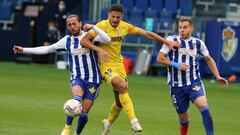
(35, 50)
(154, 36)
(212, 65)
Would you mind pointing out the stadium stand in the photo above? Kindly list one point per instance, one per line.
(156, 5)
(151, 13)
(128, 4)
(104, 13)
(142, 4)
(171, 6)
(6, 14)
(164, 14)
(186, 7)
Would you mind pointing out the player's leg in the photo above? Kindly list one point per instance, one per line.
(184, 123)
(77, 94)
(115, 109)
(198, 97)
(201, 103)
(121, 86)
(180, 101)
(113, 115)
(83, 117)
(90, 92)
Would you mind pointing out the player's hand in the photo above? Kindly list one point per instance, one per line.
(103, 55)
(87, 27)
(173, 45)
(17, 49)
(222, 81)
(184, 66)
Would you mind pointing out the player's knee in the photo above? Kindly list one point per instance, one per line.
(183, 116)
(200, 102)
(121, 87)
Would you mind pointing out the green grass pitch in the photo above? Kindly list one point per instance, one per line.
(32, 98)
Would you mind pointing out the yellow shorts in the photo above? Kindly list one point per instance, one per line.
(109, 71)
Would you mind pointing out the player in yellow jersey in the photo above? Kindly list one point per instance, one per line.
(112, 67)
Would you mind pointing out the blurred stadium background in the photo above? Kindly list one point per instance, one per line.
(216, 22)
(31, 98)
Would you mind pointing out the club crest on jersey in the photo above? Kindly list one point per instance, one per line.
(118, 32)
(230, 43)
(196, 88)
(92, 90)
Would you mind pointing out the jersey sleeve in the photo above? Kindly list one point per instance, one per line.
(46, 49)
(131, 28)
(100, 25)
(203, 49)
(165, 49)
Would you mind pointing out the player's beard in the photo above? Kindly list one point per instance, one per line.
(75, 33)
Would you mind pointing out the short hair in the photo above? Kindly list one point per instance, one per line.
(74, 15)
(116, 7)
(186, 19)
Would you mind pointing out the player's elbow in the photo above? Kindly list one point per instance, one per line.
(160, 59)
(108, 39)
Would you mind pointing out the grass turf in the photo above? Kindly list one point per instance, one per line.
(32, 98)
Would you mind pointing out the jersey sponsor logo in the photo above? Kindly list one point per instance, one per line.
(116, 39)
(80, 51)
(196, 88)
(192, 53)
(108, 73)
(230, 43)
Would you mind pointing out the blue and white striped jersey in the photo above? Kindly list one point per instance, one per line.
(83, 62)
(188, 53)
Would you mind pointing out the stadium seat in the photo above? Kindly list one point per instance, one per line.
(104, 13)
(171, 6)
(166, 21)
(132, 39)
(128, 4)
(136, 15)
(156, 5)
(142, 4)
(126, 15)
(151, 14)
(5, 10)
(206, 0)
(144, 40)
(186, 7)
(114, 1)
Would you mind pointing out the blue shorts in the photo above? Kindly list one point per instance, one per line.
(182, 95)
(90, 89)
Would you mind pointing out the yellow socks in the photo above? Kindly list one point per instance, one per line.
(114, 112)
(127, 105)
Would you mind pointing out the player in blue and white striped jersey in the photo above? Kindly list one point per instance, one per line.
(85, 76)
(184, 76)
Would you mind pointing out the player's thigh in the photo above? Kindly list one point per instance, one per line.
(119, 84)
(115, 76)
(198, 94)
(77, 87)
(180, 99)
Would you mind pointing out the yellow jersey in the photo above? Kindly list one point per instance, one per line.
(116, 34)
